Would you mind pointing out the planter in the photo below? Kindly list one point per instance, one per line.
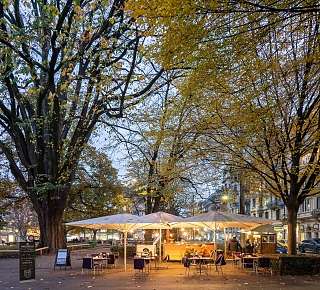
(299, 265)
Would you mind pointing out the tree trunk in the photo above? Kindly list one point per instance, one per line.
(292, 230)
(242, 193)
(148, 207)
(52, 233)
(94, 238)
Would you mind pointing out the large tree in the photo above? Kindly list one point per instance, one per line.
(254, 67)
(164, 149)
(64, 65)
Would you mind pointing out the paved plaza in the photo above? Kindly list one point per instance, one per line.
(172, 278)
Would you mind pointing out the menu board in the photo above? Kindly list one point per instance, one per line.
(62, 258)
(27, 265)
(146, 250)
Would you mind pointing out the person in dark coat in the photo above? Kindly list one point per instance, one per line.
(234, 245)
(249, 247)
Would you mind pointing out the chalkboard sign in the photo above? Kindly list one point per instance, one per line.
(62, 258)
(27, 256)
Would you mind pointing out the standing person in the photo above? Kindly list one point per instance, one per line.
(234, 245)
(248, 247)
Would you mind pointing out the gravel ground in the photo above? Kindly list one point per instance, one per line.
(173, 278)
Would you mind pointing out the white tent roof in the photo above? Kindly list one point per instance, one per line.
(221, 220)
(263, 229)
(159, 220)
(122, 222)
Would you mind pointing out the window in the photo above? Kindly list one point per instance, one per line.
(318, 202)
(253, 202)
(277, 214)
(308, 204)
(301, 207)
(266, 215)
(260, 214)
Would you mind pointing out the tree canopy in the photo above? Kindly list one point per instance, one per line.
(96, 190)
(64, 65)
(254, 70)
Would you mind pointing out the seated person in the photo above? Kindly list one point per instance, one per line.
(248, 247)
(204, 251)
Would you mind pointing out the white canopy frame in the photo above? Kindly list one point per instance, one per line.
(222, 220)
(127, 223)
(122, 222)
(159, 220)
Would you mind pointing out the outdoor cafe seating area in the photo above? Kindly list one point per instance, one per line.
(146, 263)
(254, 262)
(195, 258)
(99, 261)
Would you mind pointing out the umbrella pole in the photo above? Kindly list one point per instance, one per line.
(225, 242)
(215, 244)
(160, 254)
(125, 251)
(215, 236)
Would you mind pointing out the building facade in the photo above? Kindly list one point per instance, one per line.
(265, 205)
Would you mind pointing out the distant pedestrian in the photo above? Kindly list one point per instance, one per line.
(234, 245)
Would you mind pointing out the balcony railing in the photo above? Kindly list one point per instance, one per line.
(260, 208)
(275, 204)
(315, 212)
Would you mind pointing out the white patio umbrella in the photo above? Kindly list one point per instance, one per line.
(221, 220)
(159, 220)
(121, 222)
(263, 229)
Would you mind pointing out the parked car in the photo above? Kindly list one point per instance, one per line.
(317, 240)
(311, 245)
(281, 249)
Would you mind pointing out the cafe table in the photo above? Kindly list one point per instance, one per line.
(148, 260)
(103, 261)
(248, 261)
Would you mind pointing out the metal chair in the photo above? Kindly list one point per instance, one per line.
(211, 263)
(220, 261)
(164, 261)
(112, 260)
(236, 257)
(88, 263)
(188, 264)
(139, 264)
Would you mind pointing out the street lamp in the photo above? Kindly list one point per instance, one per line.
(225, 198)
